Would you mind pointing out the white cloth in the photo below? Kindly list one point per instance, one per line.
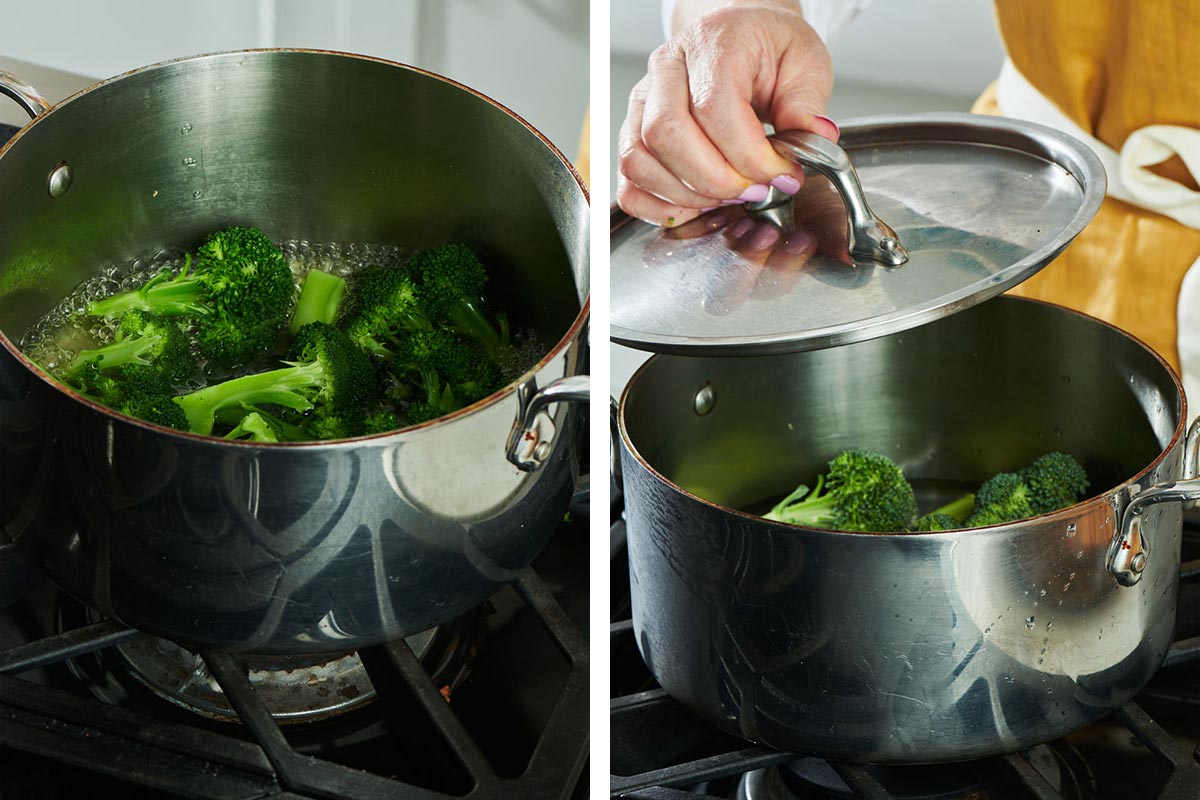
(827, 17)
(1131, 181)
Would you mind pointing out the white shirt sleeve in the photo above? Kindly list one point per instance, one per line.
(827, 17)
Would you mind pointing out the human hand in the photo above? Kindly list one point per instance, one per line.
(693, 137)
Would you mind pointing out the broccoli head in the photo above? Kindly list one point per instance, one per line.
(451, 280)
(863, 491)
(240, 293)
(142, 339)
(1055, 480)
(387, 305)
(459, 362)
(935, 522)
(1002, 498)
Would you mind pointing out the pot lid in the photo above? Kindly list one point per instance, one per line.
(973, 206)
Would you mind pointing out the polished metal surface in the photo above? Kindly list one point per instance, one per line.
(59, 181)
(532, 438)
(26, 96)
(314, 547)
(980, 204)
(868, 239)
(907, 647)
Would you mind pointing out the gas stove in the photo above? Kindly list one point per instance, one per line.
(1146, 749)
(492, 704)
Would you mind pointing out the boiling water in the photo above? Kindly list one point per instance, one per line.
(58, 336)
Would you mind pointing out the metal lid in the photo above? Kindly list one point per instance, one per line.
(977, 204)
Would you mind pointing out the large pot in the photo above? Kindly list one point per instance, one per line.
(907, 647)
(287, 548)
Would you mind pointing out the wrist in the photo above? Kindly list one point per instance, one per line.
(681, 14)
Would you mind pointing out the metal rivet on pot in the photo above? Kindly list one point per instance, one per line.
(705, 400)
(542, 451)
(60, 180)
(1138, 563)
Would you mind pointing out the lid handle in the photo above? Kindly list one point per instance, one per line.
(870, 238)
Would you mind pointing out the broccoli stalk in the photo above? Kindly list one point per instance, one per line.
(327, 375)
(451, 280)
(863, 491)
(254, 427)
(320, 296)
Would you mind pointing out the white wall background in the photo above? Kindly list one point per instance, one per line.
(531, 55)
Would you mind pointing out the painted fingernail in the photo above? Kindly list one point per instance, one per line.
(836, 130)
(798, 242)
(755, 193)
(786, 184)
(742, 227)
(764, 238)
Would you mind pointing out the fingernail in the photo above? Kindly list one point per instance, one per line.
(798, 242)
(755, 193)
(836, 130)
(786, 184)
(710, 208)
(764, 238)
(742, 227)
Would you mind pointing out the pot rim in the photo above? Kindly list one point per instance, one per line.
(1063, 513)
(573, 332)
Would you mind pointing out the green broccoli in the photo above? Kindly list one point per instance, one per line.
(863, 491)
(386, 307)
(327, 376)
(382, 421)
(146, 393)
(451, 279)
(459, 362)
(1002, 498)
(254, 427)
(437, 400)
(1055, 480)
(320, 296)
(240, 293)
(949, 517)
(143, 339)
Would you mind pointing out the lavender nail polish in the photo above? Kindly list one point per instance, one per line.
(764, 238)
(837, 130)
(798, 242)
(741, 228)
(786, 184)
(755, 193)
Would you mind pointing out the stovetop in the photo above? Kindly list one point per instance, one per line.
(1147, 749)
(491, 705)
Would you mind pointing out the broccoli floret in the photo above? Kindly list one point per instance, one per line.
(934, 522)
(863, 491)
(451, 280)
(240, 292)
(386, 306)
(459, 362)
(382, 421)
(143, 339)
(320, 296)
(1055, 480)
(1002, 498)
(254, 427)
(949, 517)
(146, 393)
(327, 376)
(438, 400)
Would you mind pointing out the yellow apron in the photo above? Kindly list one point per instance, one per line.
(1113, 68)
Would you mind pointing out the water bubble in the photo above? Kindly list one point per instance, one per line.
(1030, 623)
(185, 128)
(189, 161)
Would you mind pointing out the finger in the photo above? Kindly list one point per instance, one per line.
(640, 167)
(707, 223)
(802, 91)
(637, 202)
(671, 135)
(722, 100)
(785, 265)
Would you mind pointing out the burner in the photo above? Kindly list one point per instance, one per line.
(294, 688)
(1058, 764)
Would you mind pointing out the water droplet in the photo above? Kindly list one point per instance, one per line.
(185, 128)
(196, 194)
(189, 161)
(1029, 623)
(1009, 679)
(1042, 593)
(1079, 555)
(1049, 690)
(1071, 529)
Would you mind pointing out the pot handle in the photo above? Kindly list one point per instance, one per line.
(529, 442)
(29, 98)
(1129, 551)
(870, 238)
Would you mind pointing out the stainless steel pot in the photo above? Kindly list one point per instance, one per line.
(908, 647)
(287, 548)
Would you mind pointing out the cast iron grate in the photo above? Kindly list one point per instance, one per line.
(660, 751)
